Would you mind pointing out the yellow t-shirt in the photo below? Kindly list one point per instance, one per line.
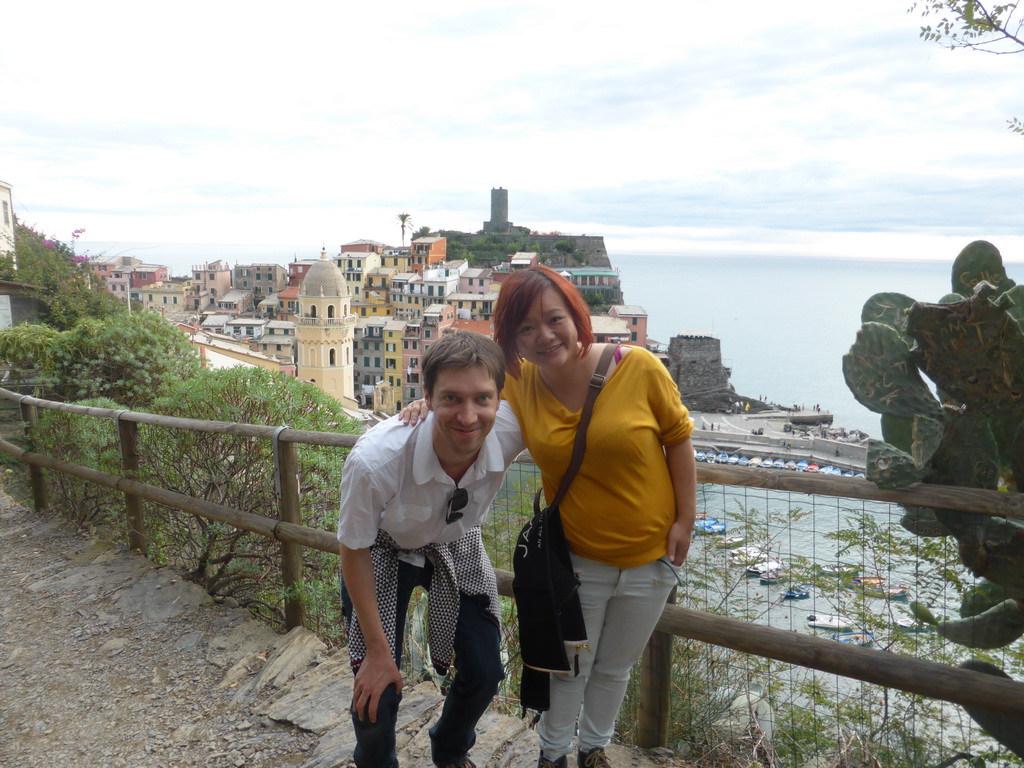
(621, 504)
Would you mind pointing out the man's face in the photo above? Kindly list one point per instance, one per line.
(465, 404)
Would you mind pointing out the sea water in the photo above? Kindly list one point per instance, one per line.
(784, 324)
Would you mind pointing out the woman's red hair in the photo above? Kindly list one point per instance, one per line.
(516, 296)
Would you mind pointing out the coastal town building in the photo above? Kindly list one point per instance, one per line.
(610, 330)
(475, 280)
(324, 331)
(115, 272)
(636, 318)
(427, 252)
(420, 335)
(394, 375)
(368, 354)
(297, 270)
(523, 260)
(249, 329)
(396, 258)
(7, 221)
(261, 279)
(596, 285)
(235, 302)
(287, 303)
(356, 264)
(167, 297)
(278, 340)
(209, 283)
(473, 306)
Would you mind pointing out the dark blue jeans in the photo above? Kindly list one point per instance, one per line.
(478, 673)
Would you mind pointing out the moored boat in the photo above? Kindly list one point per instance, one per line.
(764, 567)
(838, 569)
(730, 542)
(827, 621)
(774, 575)
(855, 638)
(797, 593)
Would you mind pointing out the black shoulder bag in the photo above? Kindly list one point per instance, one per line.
(545, 586)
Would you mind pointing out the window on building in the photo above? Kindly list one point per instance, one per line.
(366, 362)
(632, 336)
(7, 213)
(376, 362)
(332, 357)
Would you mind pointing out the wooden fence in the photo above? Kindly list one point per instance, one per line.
(891, 670)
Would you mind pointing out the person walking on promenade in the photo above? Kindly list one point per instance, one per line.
(412, 501)
(629, 513)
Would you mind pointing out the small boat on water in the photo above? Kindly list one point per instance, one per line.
(827, 621)
(709, 525)
(855, 638)
(751, 553)
(867, 580)
(774, 575)
(897, 592)
(764, 567)
(910, 624)
(797, 593)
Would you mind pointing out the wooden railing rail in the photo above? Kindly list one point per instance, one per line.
(917, 676)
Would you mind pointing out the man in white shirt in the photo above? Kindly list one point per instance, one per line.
(412, 501)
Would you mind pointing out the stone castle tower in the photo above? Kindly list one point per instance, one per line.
(499, 212)
(325, 330)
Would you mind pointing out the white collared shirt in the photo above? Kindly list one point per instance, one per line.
(393, 481)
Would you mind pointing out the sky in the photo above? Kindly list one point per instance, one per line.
(808, 128)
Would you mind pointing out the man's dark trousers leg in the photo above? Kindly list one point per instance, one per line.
(479, 671)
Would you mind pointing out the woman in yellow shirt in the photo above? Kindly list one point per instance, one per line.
(629, 512)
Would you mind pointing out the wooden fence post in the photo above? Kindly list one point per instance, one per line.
(656, 689)
(128, 435)
(29, 416)
(286, 481)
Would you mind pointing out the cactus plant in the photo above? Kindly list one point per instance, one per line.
(971, 346)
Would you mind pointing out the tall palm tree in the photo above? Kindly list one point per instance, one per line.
(405, 220)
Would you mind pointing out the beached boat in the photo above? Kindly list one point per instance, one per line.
(855, 638)
(824, 470)
(734, 459)
(744, 461)
(699, 455)
(722, 458)
(797, 593)
(836, 471)
(755, 461)
(709, 525)
(801, 466)
(827, 621)
(790, 465)
(778, 464)
(811, 468)
(849, 473)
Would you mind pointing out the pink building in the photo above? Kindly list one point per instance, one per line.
(636, 319)
(147, 274)
(475, 280)
(209, 283)
(420, 335)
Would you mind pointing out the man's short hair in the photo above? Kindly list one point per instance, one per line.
(463, 349)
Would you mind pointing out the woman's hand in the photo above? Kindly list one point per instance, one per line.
(415, 412)
(678, 543)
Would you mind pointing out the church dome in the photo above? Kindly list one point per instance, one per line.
(324, 279)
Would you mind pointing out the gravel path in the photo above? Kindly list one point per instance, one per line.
(98, 671)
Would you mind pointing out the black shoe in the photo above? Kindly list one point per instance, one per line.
(593, 758)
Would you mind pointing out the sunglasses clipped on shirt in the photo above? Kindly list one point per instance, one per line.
(456, 503)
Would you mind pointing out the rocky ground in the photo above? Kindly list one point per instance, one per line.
(109, 660)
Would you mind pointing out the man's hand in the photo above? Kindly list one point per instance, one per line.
(376, 673)
(415, 412)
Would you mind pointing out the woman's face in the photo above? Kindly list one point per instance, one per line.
(547, 336)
